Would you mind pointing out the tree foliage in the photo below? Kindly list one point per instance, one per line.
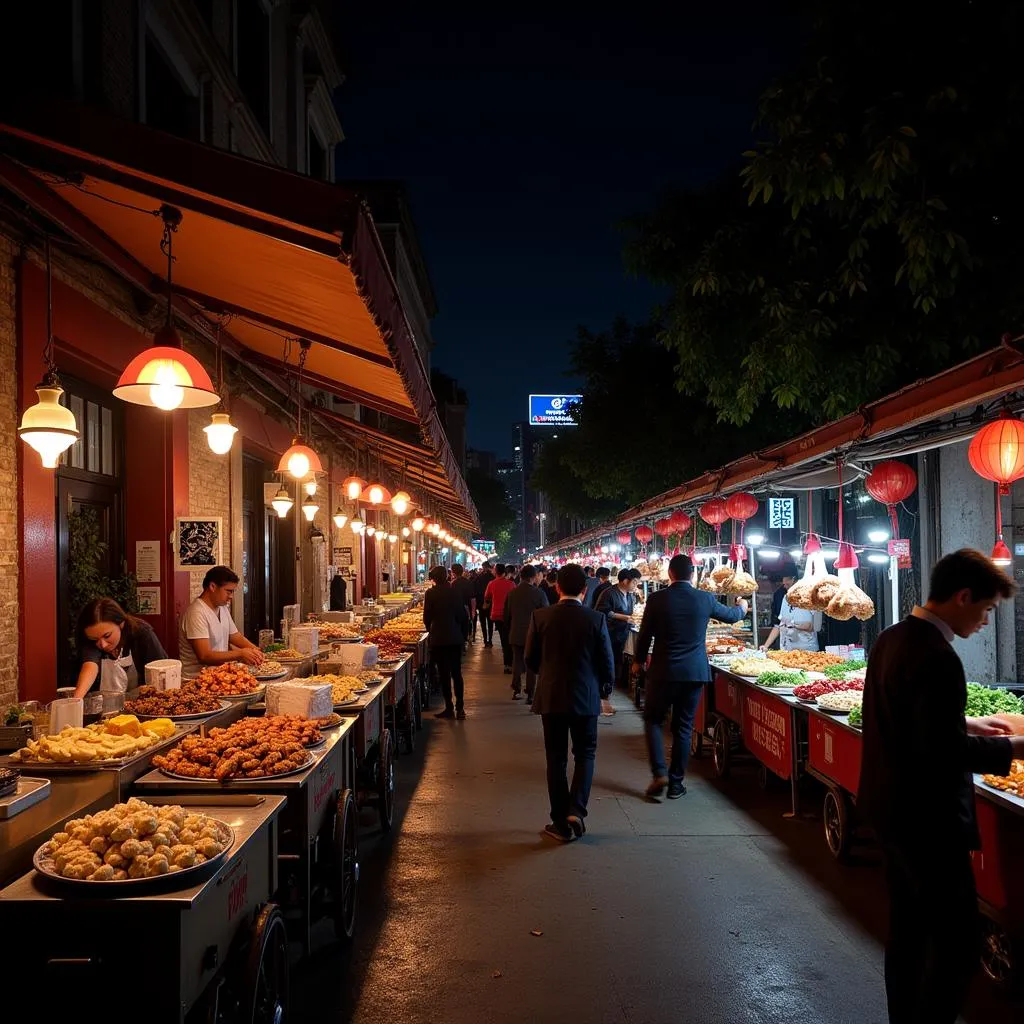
(871, 235)
(488, 494)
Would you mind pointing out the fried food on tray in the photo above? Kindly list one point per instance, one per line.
(251, 748)
(722, 577)
(342, 687)
(336, 631)
(232, 679)
(850, 602)
(389, 644)
(135, 840)
(1012, 783)
(823, 590)
(152, 701)
(94, 742)
(809, 661)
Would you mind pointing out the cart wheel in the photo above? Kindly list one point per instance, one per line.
(696, 744)
(997, 953)
(417, 709)
(721, 752)
(386, 782)
(836, 817)
(265, 993)
(346, 865)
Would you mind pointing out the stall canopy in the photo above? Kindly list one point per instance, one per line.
(878, 429)
(286, 257)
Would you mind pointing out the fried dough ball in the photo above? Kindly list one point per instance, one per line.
(104, 873)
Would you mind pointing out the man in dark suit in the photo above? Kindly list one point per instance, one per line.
(568, 647)
(466, 589)
(519, 608)
(447, 622)
(676, 619)
(914, 699)
(483, 578)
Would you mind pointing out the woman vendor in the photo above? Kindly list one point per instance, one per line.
(797, 629)
(115, 648)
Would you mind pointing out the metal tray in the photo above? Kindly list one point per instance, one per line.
(180, 731)
(224, 705)
(27, 792)
(241, 779)
(240, 696)
(347, 703)
(177, 879)
(276, 675)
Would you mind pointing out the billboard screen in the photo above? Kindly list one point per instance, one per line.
(552, 410)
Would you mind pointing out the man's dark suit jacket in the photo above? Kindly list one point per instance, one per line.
(677, 620)
(915, 777)
(519, 608)
(568, 646)
(445, 616)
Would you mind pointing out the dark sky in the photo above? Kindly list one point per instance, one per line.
(523, 140)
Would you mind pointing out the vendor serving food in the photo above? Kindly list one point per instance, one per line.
(207, 634)
(796, 629)
(115, 648)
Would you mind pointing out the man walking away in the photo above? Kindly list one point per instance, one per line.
(549, 588)
(676, 619)
(446, 620)
(914, 698)
(616, 604)
(593, 582)
(604, 582)
(483, 579)
(465, 589)
(568, 647)
(519, 608)
(497, 591)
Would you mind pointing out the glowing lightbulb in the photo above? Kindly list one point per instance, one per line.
(400, 503)
(340, 519)
(311, 487)
(356, 525)
(298, 464)
(220, 433)
(405, 531)
(376, 494)
(165, 393)
(353, 489)
(371, 530)
(418, 524)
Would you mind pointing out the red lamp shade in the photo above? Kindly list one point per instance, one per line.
(623, 537)
(890, 483)
(300, 460)
(663, 527)
(812, 545)
(996, 451)
(353, 487)
(741, 506)
(1001, 553)
(847, 558)
(375, 494)
(644, 534)
(166, 377)
(680, 521)
(713, 512)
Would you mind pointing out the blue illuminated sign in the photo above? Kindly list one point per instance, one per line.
(552, 410)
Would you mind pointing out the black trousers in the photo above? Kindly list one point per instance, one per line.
(447, 662)
(520, 669)
(618, 647)
(566, 799)
(934, 935)
(506, 648)
(682, 699)
(486, 625)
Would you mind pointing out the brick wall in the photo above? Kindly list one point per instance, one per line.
(9, 542)
(209, 490)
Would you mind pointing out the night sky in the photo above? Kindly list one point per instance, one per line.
(523, 140)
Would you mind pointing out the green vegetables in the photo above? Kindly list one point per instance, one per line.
(838, 671)
(983, 700)
(856, 717)
(774, 679)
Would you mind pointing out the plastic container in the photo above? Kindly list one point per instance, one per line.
(164, 674)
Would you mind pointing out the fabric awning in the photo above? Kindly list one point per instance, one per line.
(286, 256)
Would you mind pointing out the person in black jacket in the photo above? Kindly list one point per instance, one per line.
(914, 699)
(465, 588)
(568, 647)
(483, 577)
(549, 588)
(519, 608)
(447, 621)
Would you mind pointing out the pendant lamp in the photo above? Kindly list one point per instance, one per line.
(996, 453)
(400, 503)
(406, 531)
(418, 523)
(375, 494)
(371, 530)
(310, 509)
(310, 487)
(220, 433)
(340, 519)
(353, 487)
(300, 460)
(356, 526)
(282, 502)
(392, 537)
(48, 426)
(165, 376)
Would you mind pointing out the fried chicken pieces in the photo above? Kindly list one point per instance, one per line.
(251, 748)
(135, 840)
(232, 679)
(831, 595)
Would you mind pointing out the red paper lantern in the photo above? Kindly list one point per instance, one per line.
(644, 534)
(714, 512)
(663, 527)
(890, 483)
(741, 506)
(996, 452)
(680, 521)
(623, 537)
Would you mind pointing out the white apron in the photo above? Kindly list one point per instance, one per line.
(117, 676)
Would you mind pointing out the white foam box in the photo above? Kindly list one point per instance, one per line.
(289, 698)
(349, 660)
(305, 639)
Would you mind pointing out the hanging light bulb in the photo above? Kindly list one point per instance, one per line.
(340, 519)
(370, 531)
(418, 523)
(300, 460)
(353, 487)
(282, 502)
(400, 503)
(220, 434)
(310, 486)
(406, 531)
(392, 537)
(1001, 553)
(356, 526)
(310, 509)
(375, 494)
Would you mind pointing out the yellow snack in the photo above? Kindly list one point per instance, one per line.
(162, 727)
(123, 725)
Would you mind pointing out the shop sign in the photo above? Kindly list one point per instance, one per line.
(238, 889)
(781, 513)
(727, 696)
(767, 731)
(835, 752)
(552, 410)
(342, 557)
(900, 550)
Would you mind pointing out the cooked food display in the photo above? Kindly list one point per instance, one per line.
(758, 667)
(984, 700)
(282, 653)
(1012, 783)
(780, 678)
(838, 671)
(812, 691)
(232, 679)
(172, 703)
(809, 661)
(330, 721)
(369, 677)
(267, 669)
(389, 644)
(843, 700)
(721, 647)
(829, 594)
(342, 687)
(856, 717)
(134, 840)
(336, 631)
(251, 748)
(112, 740)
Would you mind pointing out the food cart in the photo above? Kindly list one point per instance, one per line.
(215, 943)
(317, 845)
(404, 700)
(421, 675)
(374, 751)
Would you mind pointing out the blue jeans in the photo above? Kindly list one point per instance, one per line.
(683, 699)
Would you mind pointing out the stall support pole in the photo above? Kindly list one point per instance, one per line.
(753, 599)
(894, 587)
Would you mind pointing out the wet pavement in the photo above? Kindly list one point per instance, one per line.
(711, 909)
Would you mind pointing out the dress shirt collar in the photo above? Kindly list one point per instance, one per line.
(568, 598)
(939, 624)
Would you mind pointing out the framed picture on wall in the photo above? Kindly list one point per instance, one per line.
(197, 543)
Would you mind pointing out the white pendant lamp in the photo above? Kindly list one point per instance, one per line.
(405, 531)
(356, 526)
(392, 537)
(310, 509)
(310, 486)
(371, 530)
(418, 523)
(282, 502)
(340, 519)
(220, 433)
(48, 426)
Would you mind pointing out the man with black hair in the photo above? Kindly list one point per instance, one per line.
(593, 582)
(482, 581)
(519, 608)
(447, 622)
(914, 699)
(463, 586)
(604, 582)
(549, 588)
(568, 647)
(616, 604)
(207, 635)
(676, 620)
(497, 591)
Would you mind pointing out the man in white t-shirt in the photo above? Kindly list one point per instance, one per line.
(207, 635)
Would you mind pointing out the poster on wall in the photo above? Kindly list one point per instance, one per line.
(342, 557)
(147, 561)
(149, 600)
(197, 543)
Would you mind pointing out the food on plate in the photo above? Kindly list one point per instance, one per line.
(799, 595)
(812, 691)
(266, 668)
(809, 661)
(843, 700)
(287, 654)
(844, 668)
(389, 645)
(369, 677)
(232, 679)
(336, 631)
(1012, 783)
(779, 678)
(721, 647)
(135, 840)
(172, 703)
(329, 721)
(856, 716)
(984, 700)
(251, 748)
(342, 687)
(96, 742)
